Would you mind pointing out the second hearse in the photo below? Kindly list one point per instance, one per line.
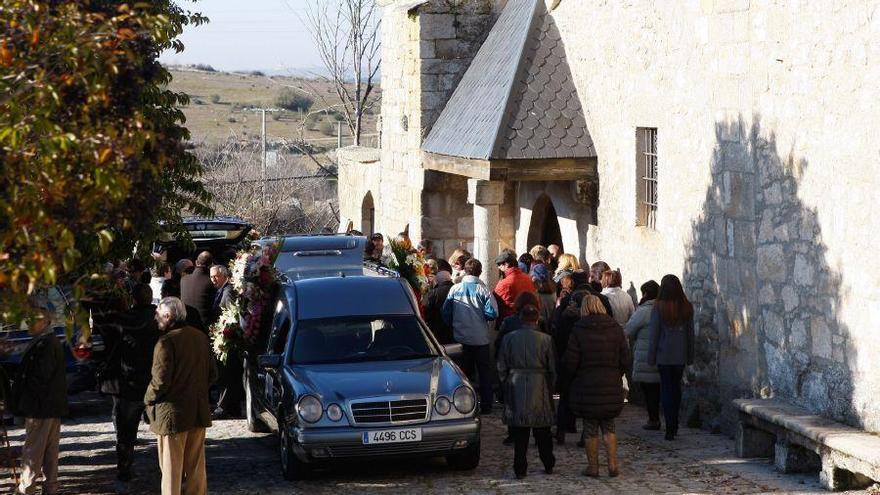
(351, 369)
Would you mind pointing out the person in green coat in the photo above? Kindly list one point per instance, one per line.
(527, 368)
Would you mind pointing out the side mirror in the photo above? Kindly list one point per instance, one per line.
(453, 350)
(269, 361)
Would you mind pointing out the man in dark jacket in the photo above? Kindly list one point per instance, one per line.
(231, 372)
(196, 289)
(40, 396)
(434, 303)
(133, 353)
(177, 399)
(223, 298)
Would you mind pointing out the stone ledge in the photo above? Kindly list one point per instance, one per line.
(358, 154)
(849, 457)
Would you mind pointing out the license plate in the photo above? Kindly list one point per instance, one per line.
(392, 436)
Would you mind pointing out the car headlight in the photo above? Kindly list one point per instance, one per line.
(310, 409)
(442, 406)
(464, 399)
(334, 412)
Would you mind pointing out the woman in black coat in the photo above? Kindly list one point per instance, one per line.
(596, 359)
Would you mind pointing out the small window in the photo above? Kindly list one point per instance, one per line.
(646, 177)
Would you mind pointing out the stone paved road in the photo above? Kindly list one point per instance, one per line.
(244, 463)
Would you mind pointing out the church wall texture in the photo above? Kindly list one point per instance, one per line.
(767, 116)
(425, 53)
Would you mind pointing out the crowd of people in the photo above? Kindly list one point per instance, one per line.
(560, 329)
(157, 367)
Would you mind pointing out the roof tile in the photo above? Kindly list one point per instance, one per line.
(517, 100)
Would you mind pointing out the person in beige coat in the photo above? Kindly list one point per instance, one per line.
(177, 400)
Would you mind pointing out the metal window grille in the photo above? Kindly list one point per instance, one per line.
(647, 174)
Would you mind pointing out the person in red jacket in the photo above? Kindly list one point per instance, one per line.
(514, 283)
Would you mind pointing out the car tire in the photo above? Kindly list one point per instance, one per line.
(254, 423)
(467, 460)
(292, 468)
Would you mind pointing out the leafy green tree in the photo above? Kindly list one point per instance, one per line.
(289, 99)
(92, 153)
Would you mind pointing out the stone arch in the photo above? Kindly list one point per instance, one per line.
(368, 215)
(544, 226)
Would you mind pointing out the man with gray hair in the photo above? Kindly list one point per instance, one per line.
(224, 296)
(231, 372)
(177, 399)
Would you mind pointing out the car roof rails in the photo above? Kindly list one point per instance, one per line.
(381, 270)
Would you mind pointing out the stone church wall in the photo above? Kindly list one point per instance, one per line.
(424, 55)
(767, 115)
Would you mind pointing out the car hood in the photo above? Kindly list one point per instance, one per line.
(341, 382)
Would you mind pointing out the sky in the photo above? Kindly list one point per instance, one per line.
(266, 35)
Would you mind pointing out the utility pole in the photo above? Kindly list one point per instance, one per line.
(338, 135)
(264, 174)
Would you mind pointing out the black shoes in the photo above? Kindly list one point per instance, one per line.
(508, 440)
(651, 426)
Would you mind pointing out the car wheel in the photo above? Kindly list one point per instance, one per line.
(254, 423)
(292, 469)
(467, 460)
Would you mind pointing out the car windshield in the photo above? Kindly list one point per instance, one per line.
(360, 338)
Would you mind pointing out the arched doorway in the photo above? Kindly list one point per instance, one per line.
(544, 226)
(368, 215)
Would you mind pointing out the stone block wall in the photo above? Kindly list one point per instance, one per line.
(425, 52)
(766, 115)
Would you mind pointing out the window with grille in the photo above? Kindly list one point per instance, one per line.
(646, 176)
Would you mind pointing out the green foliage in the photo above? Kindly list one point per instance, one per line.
(215, 99)
(92, 153)
(289, 99)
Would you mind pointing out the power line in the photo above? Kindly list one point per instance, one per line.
(274, 179)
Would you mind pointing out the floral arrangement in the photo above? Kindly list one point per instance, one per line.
(409, 263)
(254, 279)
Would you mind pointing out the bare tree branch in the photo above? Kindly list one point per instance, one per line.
(300, 204)
(346, 34)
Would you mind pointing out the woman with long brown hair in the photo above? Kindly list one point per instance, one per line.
(672, 346)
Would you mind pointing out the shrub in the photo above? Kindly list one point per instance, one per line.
(231, 119)
(215, 99)
(328, 128)
(292, 100)
(204, 67)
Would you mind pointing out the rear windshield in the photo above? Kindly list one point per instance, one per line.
(360, 338)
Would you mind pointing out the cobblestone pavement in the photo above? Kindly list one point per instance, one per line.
(240, 462)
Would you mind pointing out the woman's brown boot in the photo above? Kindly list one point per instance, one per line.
(592, 448)
(611, 449)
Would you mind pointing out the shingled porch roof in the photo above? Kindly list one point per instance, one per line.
(516, 113)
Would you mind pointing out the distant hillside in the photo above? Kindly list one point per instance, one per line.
(218, 103)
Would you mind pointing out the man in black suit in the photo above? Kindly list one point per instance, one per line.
(196, 289)
(223, 297)
(231, 372)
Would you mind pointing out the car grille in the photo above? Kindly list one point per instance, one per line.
(393, 412)
(439, 446)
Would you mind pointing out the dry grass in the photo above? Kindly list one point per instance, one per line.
(211, 122)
